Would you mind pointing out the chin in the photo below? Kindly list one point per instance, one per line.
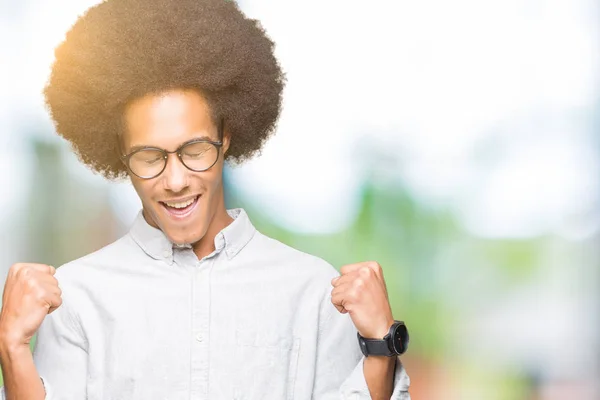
(185, 239)
(187, 234)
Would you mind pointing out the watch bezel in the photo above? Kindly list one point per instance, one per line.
(399, 337)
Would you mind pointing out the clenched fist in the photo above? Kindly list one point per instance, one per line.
(360, 291)
(30, 293)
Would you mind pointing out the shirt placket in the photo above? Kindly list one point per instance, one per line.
(200, 330)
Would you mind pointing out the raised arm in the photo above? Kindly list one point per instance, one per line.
(360, 293)
(32, 301)
(30, 293)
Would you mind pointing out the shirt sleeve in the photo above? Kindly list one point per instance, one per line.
(60, 355)
(339, 368)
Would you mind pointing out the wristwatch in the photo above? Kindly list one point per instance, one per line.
(392, 344)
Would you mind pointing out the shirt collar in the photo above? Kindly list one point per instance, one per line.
(155, 243)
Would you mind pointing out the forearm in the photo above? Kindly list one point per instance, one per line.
(379, 375)
(21, 379)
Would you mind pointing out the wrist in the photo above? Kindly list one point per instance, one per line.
(394, 342)
(11, 344)
(383, 330)
(9, 351)
(383, 362)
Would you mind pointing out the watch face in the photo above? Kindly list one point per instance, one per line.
(400, 339)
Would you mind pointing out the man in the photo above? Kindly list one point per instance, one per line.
(193, 303)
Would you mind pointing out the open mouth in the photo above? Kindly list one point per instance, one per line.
(180, 209)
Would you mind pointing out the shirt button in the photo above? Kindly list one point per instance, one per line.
(199, 337)
(166, 254)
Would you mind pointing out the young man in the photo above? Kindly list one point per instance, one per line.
(193, 303)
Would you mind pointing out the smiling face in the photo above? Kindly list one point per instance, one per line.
(186, 205)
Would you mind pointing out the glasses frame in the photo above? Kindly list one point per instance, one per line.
(218, 144)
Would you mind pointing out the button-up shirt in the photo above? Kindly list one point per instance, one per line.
(145, 319)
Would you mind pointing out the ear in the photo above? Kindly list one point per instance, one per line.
(226, 141)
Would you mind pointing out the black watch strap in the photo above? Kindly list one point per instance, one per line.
(374, 347)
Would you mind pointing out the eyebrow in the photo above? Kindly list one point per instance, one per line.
(144, 146)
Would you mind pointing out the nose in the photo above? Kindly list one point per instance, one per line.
(175, 175)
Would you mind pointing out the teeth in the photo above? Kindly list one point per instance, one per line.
(181, 205)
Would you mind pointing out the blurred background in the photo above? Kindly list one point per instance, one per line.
(457, 143)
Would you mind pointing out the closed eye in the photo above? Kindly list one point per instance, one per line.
(195, 155)
(153, 161)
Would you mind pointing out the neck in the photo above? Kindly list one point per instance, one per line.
(220, 220)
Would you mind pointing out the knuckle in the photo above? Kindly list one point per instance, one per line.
(20, 270)
(15, 267)
(26, 273)
(30, 283)
(366, 272)
(375, 265)
(40, 294)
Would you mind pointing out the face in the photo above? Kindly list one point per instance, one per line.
(180, 202)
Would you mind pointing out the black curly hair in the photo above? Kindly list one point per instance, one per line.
(120, 50)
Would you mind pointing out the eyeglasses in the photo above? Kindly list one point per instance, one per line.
(196, 155)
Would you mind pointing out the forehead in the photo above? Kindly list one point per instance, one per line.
(168, 119)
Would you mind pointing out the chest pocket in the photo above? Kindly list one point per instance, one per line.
(266, 366)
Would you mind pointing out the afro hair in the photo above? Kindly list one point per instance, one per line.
(120, 50)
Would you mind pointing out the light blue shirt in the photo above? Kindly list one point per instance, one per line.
(144, 319)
